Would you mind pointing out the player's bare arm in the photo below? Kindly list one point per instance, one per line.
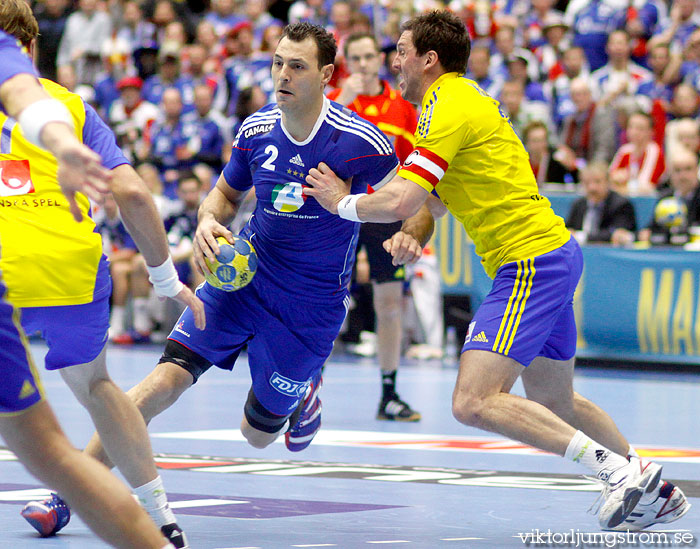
(141, 219)
(397, 200)
(215, 214)
(79, 168)
(406, 245)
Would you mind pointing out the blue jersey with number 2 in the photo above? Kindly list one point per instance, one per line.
(302, 248)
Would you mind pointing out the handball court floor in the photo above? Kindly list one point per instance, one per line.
(364, 483)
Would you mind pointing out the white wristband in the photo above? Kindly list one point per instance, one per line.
(164, 279)
(347, 207)
(33, 118)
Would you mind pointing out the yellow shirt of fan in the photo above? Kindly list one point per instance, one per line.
(47, 258)
(466, 149)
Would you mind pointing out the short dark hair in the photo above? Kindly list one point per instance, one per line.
(325, 43)
(187, 175)
(357, 36)
(445, 34)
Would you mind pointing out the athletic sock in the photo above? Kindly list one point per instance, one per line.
(142, 319)
(388, 384)
(116, 321)
(153, 499)
(594, 456)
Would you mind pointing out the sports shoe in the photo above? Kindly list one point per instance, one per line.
(306, 420)
(174, 534)
(623, 490)
(47, 516)
(395, 409)
(669, 506)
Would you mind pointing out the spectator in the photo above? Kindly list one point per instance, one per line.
(169, 76)
(520, 111)
(559, 90)
(223, 16)
(592, 22)
(683, 166)
(589, 133)
(518, 70)
(535, 22)
(640, 19)
(51, 16)
(182, 225)
(677, 28)
(545, 167)
(202, 70)
(618, 79)
(135, 30)
(478, 71)
(687, 135)
(684, 105)
(207, 128)
(256, 12)
(505, 50)
(82, 39)
(638, 165)
(115, 63)
(556, 42)
(311, 11)
(131, 118)
(597, 215)
(171, 148)
(656, 87)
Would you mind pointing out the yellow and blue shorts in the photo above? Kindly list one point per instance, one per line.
(20, 387)
(529, 310)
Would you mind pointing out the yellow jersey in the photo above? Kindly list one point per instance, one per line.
(49, 259)
(467, 151)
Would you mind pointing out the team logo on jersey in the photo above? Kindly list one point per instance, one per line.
(288, 197)
(297, 160)
(288, 386)
(15, 178)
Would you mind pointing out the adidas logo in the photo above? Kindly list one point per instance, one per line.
(27, 390)
(480, 337)
(297, 160)
(601, 455)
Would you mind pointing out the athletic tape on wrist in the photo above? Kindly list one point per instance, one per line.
(347, 207)
(33, 118)
(164, 279)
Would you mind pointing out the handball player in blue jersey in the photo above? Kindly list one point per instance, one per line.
(292, 311)
(27, 423)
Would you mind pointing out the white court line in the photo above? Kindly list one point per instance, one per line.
(204, 503)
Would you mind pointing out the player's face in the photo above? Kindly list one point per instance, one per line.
(363, 58)
(410, 67)
(298, 81)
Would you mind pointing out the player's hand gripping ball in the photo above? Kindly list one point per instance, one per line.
(235, 264)
(671, 212)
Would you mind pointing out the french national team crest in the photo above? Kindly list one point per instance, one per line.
(288, 197)
(15, 178)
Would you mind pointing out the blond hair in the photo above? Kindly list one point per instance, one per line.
(17, 19)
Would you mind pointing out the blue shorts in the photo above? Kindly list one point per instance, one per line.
(20, 387)
(529, 311)
(75, 334)
(288, 340)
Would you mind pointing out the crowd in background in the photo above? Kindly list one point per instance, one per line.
(603, 94)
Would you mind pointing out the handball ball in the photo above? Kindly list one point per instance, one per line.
(671, 212)
(235, 264)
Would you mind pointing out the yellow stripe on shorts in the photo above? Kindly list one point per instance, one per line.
(528, 287)
(513, 296)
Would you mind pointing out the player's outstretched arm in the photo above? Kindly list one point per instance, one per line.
(397, 200)
(46, 123)
(215, 214)
(141, 219)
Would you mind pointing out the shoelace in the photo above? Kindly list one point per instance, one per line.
(602, 495)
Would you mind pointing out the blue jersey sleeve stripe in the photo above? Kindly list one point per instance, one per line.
(6, 137)
(369, 133)
(368, 126)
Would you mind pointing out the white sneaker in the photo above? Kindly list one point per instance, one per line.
(669, 506)
(624, 489)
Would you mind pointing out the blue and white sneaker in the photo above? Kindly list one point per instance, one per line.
(302, 432)
(624, 489)
(670, 505)
(47, 516)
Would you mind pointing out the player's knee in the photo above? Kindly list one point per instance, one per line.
(259, 426)
(468, 409)
(256, 438)
(160, 389)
